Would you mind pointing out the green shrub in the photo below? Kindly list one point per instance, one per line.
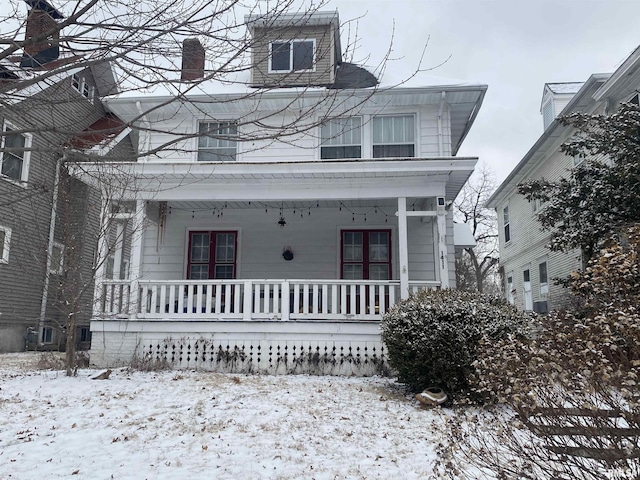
(432, 337)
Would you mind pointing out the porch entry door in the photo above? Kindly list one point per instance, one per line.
(212, 255)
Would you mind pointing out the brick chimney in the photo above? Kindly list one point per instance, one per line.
(42, 18)
(192, 60)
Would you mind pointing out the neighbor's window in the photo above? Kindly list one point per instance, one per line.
(543, 278)
(394, 136)
(85, 334)
(507, 226)
(292, 55)
(341, 138)
(211, 255)
(15, 158)
(5, 240)
(217, 141)
(366, 254)
(47, 335)
(75, 81)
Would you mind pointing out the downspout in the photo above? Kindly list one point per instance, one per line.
(440, 134)
(52, 229)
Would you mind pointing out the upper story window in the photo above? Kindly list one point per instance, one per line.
(15, 158)
(216, 141)
(341, 138)
(5, 241)
(394, 136)
(76, 82)
(292, 55)
(507, 225)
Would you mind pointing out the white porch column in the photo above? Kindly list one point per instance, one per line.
(101, 257)
(136, 255)
(403, 248)
(442, 243)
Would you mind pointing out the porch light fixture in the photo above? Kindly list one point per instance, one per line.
(282, 222)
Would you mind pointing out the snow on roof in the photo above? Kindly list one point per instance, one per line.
(565, 87)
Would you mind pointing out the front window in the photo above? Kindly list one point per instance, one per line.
(15, 158)
(341, 138)
(366, 255)
(217, 141)
(212, 255)
(394, 136)
(5, 239)
(507, 226)
(292, 55)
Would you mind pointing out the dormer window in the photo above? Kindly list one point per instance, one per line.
(292, 55)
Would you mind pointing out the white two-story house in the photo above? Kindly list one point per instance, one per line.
(529, 266)
(275, 221)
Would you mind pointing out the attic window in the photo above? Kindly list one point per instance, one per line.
(292, 55)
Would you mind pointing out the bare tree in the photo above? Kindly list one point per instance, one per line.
(476, 269)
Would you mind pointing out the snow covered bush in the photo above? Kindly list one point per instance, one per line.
(431, 338)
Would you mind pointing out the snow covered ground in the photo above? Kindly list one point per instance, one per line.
(197, 425)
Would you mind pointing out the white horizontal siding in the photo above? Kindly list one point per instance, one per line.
(313, 238)
(302, 146)
(528, 241)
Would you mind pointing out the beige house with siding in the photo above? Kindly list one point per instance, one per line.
(529, 266)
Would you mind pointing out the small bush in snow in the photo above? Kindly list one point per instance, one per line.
(431, 338)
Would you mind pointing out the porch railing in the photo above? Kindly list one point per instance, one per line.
(255, 299)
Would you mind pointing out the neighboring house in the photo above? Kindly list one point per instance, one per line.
(277, 225)
(47, 104)
(529, 267)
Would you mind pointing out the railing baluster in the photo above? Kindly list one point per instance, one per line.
(296, 299)
(305, 298)
(180, 294)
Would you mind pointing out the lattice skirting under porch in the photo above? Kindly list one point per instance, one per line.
(264, 356)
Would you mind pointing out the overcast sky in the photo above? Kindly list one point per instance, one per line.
(513, 46)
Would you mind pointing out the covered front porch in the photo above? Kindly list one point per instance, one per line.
(310, 255)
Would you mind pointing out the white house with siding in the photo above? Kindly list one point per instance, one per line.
(271, 228)
(529, 267)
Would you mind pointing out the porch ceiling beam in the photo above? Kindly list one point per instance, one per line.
(425, 213)
(284, 192)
